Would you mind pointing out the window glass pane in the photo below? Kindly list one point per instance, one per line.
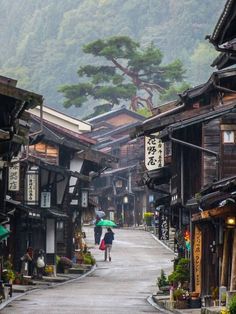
(228, 136)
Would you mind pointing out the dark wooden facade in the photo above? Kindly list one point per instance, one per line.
(200, 157)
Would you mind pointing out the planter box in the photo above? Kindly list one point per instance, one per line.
(195, 303)
(181, 304)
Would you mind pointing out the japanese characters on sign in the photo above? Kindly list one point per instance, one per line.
(197, 256)
(84, 199)
(163, 225)
(154, 153)
(45, 199)
(32, 187)
(14, 177)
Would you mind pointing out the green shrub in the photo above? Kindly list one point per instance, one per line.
(148, 218)
(232, 305)
(181, 273)
(162, 281)
(179, 294)
(89, 259)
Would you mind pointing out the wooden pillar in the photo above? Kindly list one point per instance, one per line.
(225, 261)
(233, 268)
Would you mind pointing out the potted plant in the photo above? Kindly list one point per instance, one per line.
(232, 305)
(18, 279)
(194, 300)
(162, 282)
(8, 276)
(181, 274)
(65, 263)
(215, 295)
(223, 298)
(181, 298)
(148, 218)
(89, 259)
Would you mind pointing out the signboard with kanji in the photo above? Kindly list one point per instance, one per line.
(32, 187)
(154, 153)
(45, 199)
(163, 225)
(197, 258)
(84, 199)
(14, 177)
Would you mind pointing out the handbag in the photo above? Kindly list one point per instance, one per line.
(102, 245)
(40, 262)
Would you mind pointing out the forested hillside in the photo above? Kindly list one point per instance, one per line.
(41, 40)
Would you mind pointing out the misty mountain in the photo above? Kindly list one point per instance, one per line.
(42, 40)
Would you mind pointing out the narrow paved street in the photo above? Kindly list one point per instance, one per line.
(120, 286)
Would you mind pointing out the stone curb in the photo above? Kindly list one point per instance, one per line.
(158, 307)
(53, 285)
(163, 244)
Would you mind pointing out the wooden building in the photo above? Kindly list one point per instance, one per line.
(198, 129)
(14, 133)
(54, 190)
(120, 192)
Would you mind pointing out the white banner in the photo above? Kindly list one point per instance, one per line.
(32, 197)
(154, 153)
(14, 177)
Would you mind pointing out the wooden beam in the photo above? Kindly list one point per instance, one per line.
(233, 267)
(215, 212)
(4, 135)
(225, 261)
(20, 94)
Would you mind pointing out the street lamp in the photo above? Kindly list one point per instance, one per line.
(126, 201)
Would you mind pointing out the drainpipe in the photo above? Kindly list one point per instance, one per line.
(205, 150)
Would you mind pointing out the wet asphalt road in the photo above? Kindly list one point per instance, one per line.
(119, 286)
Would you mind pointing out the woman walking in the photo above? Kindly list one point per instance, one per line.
(108, 239)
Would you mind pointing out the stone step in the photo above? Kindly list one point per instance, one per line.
(76, 271)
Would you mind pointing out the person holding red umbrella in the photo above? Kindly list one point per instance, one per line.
(108, 239)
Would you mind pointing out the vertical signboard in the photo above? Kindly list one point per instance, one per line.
(197, 257)
(45, 199)
(163, 224)
(14, 177)
(154, 153)
(32, 195)
(84, 199)
(50, 236)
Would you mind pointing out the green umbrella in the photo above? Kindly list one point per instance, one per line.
(106, 223)
(3, 233)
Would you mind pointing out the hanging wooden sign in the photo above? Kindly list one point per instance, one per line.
(84, 199)
(163, 225)
(154, 153)
(14, 177)
(197, 258)
(32, 195)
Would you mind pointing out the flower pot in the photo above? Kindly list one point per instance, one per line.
(195, 303)
(17, 281)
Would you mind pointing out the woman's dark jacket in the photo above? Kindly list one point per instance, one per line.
(109, 237)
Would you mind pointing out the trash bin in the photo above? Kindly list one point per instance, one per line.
(208, 300)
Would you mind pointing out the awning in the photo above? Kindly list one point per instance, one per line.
(197, 119)
(158, 176)
(4, 233)
(55, 213)
(216, 212)
(57, 169)
(33, 212)
(118, 170)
